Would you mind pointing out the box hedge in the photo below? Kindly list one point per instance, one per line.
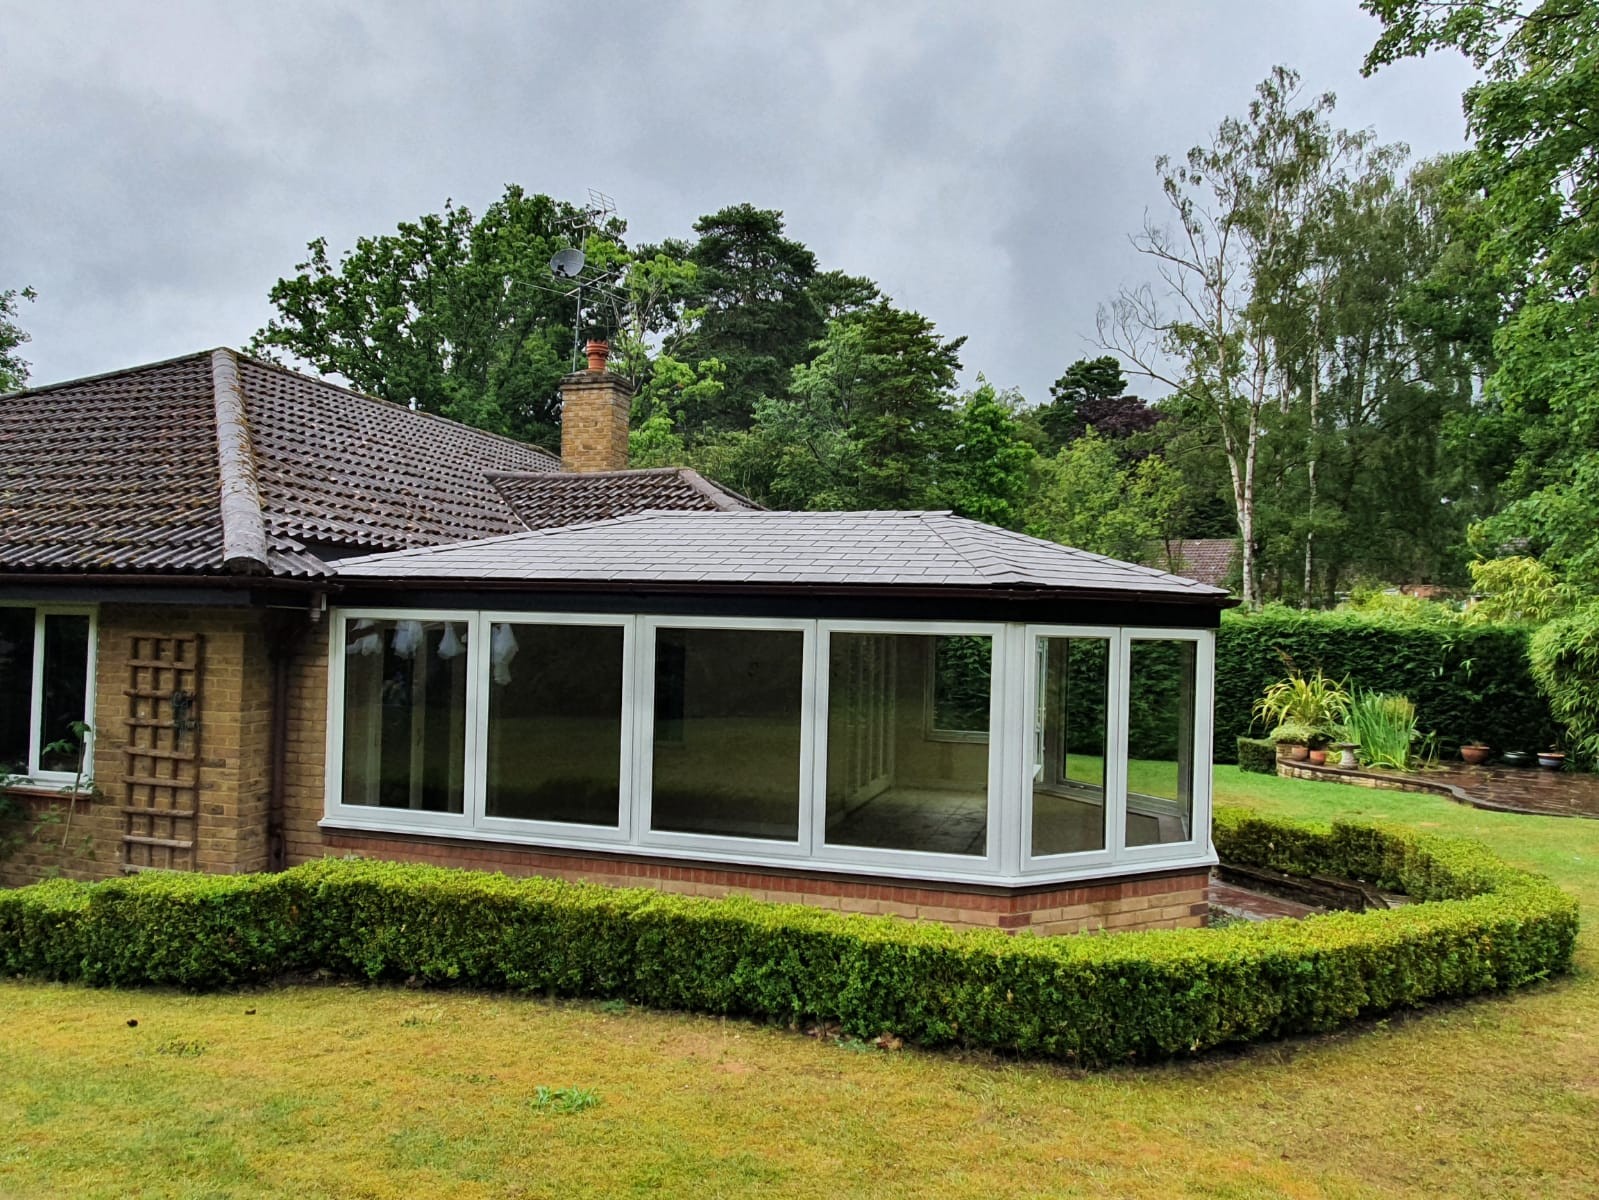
(1091, 999)
(1258, 755)
(1469, 682)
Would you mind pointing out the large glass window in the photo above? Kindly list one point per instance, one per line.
(894, 782)
(555, 723)
(1069, 740)
(44, 706)
(728, 732)
(1160, 742)
(405, 714)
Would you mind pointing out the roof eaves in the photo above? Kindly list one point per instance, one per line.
(244, 540)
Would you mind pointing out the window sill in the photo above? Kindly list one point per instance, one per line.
(35, 791)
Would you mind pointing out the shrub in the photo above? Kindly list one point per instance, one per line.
(1313, 703)
(1088, 999)
(1470, 681)
(1258, 755)
(1565, 661)
(1384, 727)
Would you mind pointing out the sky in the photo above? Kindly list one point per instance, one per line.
(162, 165)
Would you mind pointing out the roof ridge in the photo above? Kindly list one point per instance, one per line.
(1137, 569)
(244, 541)
(725, 500)
(120, 371)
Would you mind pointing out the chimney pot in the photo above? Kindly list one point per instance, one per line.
(598, 351)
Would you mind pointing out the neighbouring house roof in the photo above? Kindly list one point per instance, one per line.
(1207, 560)
(542, 499)
(218, 463)
(830, 549)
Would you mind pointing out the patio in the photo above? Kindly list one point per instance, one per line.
(1533, 790)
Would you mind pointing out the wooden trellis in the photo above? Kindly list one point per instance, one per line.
(161, 779)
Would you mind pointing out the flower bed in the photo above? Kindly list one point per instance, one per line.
(1092, 999)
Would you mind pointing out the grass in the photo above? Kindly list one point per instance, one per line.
(376, 1092)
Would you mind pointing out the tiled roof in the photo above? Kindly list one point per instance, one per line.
(542, 499)
(1208, 560)
(217, 463)
(863, 549)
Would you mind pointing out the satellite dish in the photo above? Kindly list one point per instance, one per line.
(566, 264)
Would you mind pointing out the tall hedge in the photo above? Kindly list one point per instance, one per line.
(1469, 682)
(1479, 925)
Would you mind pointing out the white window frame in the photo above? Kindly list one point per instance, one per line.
(1115, 735)
(697, 844)
(399, 820)
(31, 772)
(1198, 842)
(929, 864)
(478, 735)
(1012, 704)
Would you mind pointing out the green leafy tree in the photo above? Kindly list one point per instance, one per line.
(1535, 168)
(13, 367)
(1087, 498)
(988, 471)
(455, 313)
(758, 317)
(1084, 382)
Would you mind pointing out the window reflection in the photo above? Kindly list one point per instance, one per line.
(405, 714)
(1160, 742)
(1069, 742)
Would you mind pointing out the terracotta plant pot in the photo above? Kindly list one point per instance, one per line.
(1298, 752)
(598, 352)
(1318, 758)
(1551, 760)
(1476, 755)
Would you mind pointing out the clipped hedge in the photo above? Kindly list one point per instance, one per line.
(1258, 755)
(1090, 999)
(1468, 681)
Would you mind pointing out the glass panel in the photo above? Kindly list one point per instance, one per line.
(962, 667)
(555, 723)
(16, 687)
(890, 783)
(727, 732)
(66, 691)
(1069, 743)
(405, 714)
(1160, 742)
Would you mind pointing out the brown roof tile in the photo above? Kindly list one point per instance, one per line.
(1209, 560)
(543, 499)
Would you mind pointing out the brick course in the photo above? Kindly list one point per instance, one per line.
(595, 407)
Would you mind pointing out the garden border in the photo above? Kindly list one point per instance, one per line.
(1479, 925)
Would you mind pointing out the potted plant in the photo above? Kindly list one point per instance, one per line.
(1293, 740)
(1515, 758)
(1476, 753)
(1552, 759)
(1304, 711)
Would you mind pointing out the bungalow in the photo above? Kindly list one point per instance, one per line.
(300, 621)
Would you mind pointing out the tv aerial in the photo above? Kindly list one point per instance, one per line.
(568, 265)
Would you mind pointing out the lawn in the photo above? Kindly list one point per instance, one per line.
(351, 1091)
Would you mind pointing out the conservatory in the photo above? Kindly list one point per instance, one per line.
(881, 712)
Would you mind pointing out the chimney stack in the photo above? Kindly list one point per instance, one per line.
(595, 407)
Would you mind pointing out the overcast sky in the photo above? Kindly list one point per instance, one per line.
(163, 163)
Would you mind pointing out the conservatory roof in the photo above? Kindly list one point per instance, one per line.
(842, 550)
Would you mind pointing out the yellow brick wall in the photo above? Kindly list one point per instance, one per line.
(595, 408)
(234, 715)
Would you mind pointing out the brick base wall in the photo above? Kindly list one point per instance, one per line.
(1167, 901)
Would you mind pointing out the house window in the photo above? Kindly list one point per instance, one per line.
(729, 713)
(46, 691)
(405, 719)
(1160, 741)
(779, 741)
(891, 784)
(1071, 734)
(555, 715)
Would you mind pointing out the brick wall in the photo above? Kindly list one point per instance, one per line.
(305, 755)
(595, 408)
(1169, 901)
(234, 714)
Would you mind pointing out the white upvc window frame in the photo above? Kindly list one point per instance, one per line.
(924, 862)
(699, 844)
(1012, 704)
(1198, 843)
(513, 828)
(1115, 764)
(31, 773)
(400, 820)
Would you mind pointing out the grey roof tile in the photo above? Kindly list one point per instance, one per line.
(753, 548)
